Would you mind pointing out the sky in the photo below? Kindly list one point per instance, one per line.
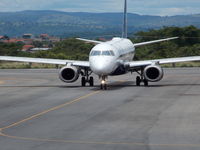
(143, 7)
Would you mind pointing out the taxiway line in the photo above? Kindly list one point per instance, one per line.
(2, 82)
(94, 142)
(49, 110)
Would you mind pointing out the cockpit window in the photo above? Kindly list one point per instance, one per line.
(95, 53)
(106, 53)
(103, 53)
(112, 53)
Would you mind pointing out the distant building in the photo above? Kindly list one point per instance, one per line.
(38, 49)
(27, 47)
(28, 41)
(4, 37)
(14, 40)
(102, 39)
(27, 36)
(44, 36)
(54, 39)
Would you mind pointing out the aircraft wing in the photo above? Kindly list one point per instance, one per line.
(155, 41)
(45, 61)
(162, 61)
(89, 41)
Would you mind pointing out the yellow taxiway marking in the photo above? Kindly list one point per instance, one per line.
(49, 110)
(95, 142)
(78, 141)
(2, 82)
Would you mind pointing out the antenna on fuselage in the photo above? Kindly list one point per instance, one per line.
(124, 32)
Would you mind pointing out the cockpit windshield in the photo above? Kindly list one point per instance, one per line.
(103, 53)
(95, 53)
(106, 53)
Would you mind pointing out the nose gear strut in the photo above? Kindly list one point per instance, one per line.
(103, 85)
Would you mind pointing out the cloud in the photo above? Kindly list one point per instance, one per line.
(155, 7)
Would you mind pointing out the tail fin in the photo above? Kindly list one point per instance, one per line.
(124, 32)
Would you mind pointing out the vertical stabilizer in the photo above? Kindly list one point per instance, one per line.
(124, 32)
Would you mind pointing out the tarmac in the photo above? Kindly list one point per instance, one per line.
(39, 112)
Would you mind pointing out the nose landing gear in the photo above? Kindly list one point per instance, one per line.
(103, 85)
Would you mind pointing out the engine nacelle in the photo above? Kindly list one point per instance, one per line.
(153, 73)
(69, 74)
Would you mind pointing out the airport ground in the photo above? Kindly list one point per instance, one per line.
(39, 112)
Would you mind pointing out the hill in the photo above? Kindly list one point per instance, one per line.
(67, 24)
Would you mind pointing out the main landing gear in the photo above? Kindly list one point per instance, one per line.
(141, 78)
(103, 85)
(86, 78)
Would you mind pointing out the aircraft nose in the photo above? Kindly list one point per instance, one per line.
(101, 66)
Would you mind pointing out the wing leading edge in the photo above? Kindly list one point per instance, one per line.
(45, 61)
(162, 61)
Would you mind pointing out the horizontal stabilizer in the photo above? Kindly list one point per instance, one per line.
(89, 41)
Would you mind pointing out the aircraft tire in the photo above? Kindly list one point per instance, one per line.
(101, 86)
(105, 86)
(91, 81)
(138, 81)
(146, 82)
(83, 81)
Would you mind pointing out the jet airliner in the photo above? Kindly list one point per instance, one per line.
(110, 58)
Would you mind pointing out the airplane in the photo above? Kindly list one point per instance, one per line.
(110, 58)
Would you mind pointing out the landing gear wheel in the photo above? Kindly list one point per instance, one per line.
(83, 81)
(91, 81)
(103, 86)
(138, 81)
(146, 82)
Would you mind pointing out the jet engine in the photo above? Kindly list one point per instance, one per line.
(69, 74)
(153, 73)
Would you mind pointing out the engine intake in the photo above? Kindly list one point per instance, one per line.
(153, 73)
(69, 74)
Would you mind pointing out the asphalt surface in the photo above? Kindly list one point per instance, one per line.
(39, 112)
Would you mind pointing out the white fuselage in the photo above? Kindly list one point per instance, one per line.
(108, 58)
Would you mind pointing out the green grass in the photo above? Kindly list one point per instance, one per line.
(19, 65)
(183, 64)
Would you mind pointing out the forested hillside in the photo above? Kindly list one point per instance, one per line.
(187, 45)
(66, 24)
